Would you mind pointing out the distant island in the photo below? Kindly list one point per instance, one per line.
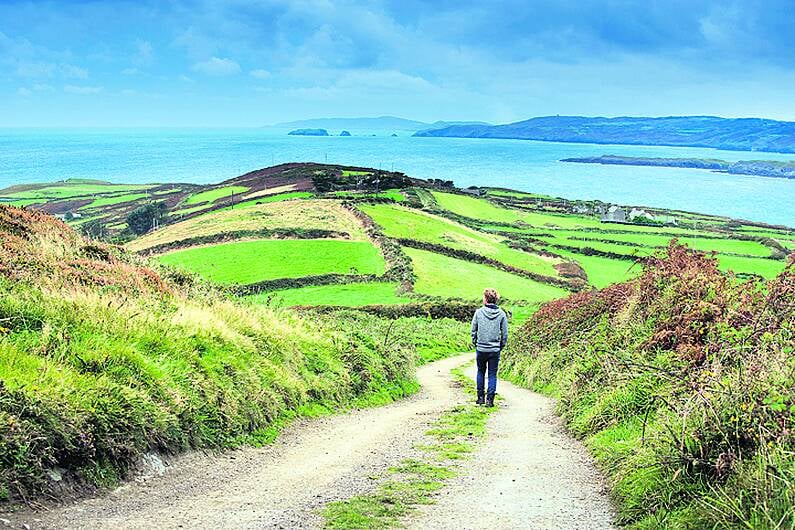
(762, 168)
(345, 133)
(381, 123)
(308, 132)
(734, 134)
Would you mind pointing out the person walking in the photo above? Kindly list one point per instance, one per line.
(489, 335)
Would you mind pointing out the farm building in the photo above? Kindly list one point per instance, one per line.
(614, 214)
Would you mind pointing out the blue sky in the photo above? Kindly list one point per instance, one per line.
(249, 63)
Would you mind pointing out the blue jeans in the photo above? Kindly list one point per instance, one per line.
(487, 362)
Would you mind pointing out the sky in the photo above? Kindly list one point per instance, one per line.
(220, 63)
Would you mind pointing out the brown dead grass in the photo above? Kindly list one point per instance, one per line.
(307, 214)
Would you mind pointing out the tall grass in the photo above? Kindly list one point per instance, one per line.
(103, 359)
(682, 384)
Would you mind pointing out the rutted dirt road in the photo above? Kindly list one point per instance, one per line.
(527, 473)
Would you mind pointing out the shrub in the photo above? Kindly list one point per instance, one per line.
(681, 382)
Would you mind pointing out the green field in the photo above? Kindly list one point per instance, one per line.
(447, 277)
(70, 189)
(215, 194)
(482, 209)
(264, 199)
(348, 295)
(603, 271)
(767, 268)
(118, 199)
(247, 262)
(402, 222)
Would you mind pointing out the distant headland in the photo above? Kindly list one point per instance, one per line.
(733, 134)
(761, 168)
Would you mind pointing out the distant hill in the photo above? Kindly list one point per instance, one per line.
(762, 168)
(388, 123)
(736, 134)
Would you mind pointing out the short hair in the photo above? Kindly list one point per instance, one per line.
(491, 296)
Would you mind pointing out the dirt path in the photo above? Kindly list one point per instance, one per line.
(280, 486)
(528, 473)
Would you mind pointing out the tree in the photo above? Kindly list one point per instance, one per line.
(94, 229)
(146, 217)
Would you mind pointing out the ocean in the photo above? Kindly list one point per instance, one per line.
(212, 155)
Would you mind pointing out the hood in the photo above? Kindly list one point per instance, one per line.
(491, 311)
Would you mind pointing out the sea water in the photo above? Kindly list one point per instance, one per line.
(212, 155)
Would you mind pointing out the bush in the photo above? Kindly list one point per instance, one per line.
(681, 383)
(146, 217)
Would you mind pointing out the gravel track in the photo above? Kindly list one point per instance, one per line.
(526, 473)
(313, 462)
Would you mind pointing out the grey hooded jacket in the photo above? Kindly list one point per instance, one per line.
(489, 329)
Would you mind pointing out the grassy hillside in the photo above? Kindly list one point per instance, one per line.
(104, 358)
(290, 230)
(681, 383)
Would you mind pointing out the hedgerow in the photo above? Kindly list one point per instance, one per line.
(681, 383)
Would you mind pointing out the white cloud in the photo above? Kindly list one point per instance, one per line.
(71, 71)
(144, 54)
(36, 87)
(128, 92)
(129, 71)
(186, 79)
(259, 73)
(82, 90)
(35, 69)
(217, 66)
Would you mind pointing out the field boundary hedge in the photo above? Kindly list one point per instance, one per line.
(461, 311)
(484, 260)
(399, 267)
(232, 235)
(303, 281)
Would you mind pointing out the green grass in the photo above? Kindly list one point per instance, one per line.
(75, 189)
(268, 198)
(402, 222)
(603, 271)
(767, 268)
(486, 211)
(245, 262)
(103, 361)
(447, 277)
(348, 295)
(355, 173)
(118, 199)
(214, 194)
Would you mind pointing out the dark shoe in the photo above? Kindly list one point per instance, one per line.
(490, 400)
(481, 399)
